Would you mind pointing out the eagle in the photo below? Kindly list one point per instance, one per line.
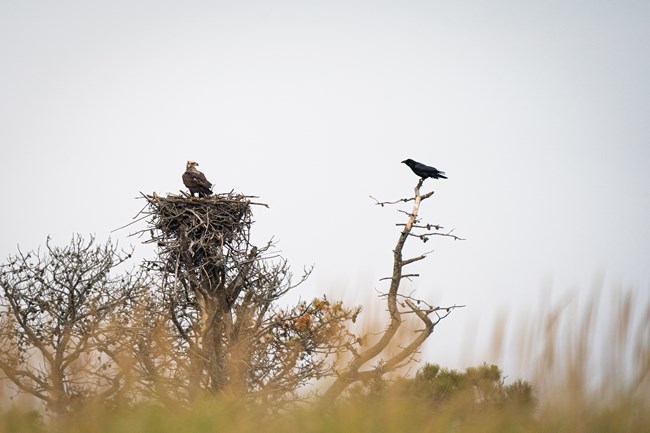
(195, 181)
(424, 171)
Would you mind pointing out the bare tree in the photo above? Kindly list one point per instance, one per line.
(53, 319)
(399, 306)
(219, 297)
(202, 319)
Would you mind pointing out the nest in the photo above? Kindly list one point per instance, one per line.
(193, 232)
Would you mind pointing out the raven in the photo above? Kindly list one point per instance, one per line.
(424, 171)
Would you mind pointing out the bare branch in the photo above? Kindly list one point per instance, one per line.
(54, 306)
(360, 358)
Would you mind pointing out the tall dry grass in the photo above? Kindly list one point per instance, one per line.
(590, 364)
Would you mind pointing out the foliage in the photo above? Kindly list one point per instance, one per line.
(480, 388)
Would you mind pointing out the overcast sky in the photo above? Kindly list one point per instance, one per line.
(539, 113)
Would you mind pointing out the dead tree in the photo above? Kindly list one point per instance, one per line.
(218, 293)
(54, 316)
(399, 306)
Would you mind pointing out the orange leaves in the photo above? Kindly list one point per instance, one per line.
(302, 323)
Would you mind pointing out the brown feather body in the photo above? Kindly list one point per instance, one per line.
(196, 181)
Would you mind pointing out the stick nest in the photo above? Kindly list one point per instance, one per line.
(200, 227)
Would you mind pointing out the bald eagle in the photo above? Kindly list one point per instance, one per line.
(195, 181)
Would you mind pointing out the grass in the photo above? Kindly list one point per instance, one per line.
(379, 416)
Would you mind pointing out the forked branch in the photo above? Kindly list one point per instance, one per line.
(357, 368)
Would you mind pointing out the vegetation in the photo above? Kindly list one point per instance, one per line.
(195, 341)
(384, 412)
(477, 389)
(200, 319)
(434, 400)
(57, 312)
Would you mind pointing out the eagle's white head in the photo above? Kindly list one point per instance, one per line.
(191, 165)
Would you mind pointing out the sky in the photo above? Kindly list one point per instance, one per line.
(537, 111)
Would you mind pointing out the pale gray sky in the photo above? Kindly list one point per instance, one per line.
(538, 112)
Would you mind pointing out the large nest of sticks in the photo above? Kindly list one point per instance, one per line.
(192, 231)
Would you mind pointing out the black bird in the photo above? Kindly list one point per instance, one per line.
(424, 171)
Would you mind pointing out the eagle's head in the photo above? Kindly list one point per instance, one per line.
(192, 164)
